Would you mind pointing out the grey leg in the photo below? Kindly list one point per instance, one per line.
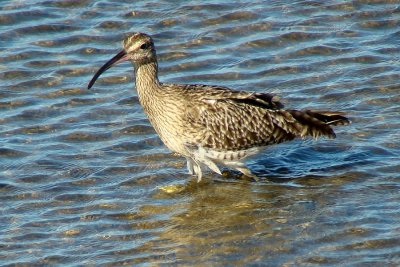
(189, 163)
(194, 168)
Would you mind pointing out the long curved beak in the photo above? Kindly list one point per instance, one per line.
(118, 58)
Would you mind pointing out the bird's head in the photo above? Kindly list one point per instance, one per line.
(138, 48)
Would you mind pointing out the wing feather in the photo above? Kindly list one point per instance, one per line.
(224, 119)
(235, 124)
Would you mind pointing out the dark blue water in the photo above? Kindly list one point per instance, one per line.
(84, 179)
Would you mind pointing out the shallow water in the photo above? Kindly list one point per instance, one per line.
(85, 179)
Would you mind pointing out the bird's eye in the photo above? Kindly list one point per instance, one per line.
(145, 46)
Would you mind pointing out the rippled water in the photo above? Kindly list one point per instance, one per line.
(85, 179)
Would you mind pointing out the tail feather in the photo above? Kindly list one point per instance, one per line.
(318, 123)
(335, 118)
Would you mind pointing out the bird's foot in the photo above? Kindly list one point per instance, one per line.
(247, 173)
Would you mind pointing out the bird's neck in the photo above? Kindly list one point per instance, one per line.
(147, 77)
(147, 85)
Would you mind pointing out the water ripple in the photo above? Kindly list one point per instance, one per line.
(86, 181)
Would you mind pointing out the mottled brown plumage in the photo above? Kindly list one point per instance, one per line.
(214, 125)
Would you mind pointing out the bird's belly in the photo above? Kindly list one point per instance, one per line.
(173, 142)
(171, 135)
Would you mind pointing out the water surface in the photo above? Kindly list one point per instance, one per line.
(85, 179)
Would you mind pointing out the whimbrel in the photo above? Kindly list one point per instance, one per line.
(214, 125)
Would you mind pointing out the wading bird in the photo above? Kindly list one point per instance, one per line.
(214, 125)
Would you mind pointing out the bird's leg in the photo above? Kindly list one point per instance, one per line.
(189, 163)
(194, 168)
(197, 169)
(240, 166)
(248, 173)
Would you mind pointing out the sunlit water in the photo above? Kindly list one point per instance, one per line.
(86, 181)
